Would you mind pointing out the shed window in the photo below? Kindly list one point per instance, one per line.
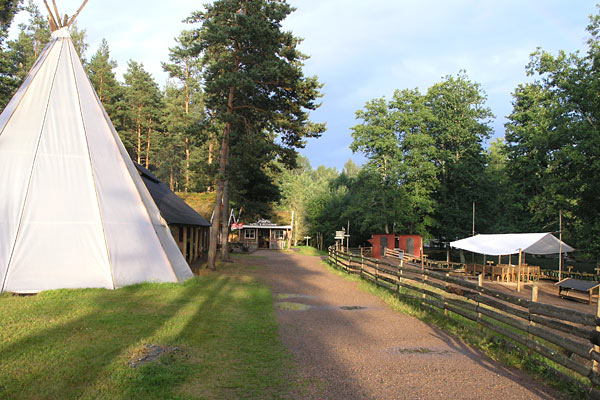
(249, 234)
(279, 234)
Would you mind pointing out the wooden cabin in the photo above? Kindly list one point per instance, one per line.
(264, 234)
(189, 229)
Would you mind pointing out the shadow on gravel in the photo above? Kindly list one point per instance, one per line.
(344, 354)
(301, 325)
(484, 361)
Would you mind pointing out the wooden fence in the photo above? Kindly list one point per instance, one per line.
(502, 272)
(566, 337)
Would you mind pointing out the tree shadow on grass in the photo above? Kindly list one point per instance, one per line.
(86, 356)
(232, 347)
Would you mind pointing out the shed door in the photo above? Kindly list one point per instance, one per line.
(384, 243)
(410, 246)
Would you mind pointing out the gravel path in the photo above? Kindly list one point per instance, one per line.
(374, 352)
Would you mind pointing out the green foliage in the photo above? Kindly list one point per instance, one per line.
(246, 55)
(553, 140)
(143, 104)
(109, 90)
(8, 9)
(459, 126)
(185, 121)
(427, 150)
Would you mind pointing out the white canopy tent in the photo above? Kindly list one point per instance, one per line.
(512, 243)
(74, 212)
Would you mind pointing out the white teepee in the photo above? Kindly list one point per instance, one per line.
(74, 212)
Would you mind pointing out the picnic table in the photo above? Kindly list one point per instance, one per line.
(504, 272)
(577, 285)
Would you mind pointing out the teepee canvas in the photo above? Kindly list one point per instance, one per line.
(74, 212)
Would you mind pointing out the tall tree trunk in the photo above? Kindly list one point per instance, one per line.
(139, 135)
(187, 163)
(225, 224)
(148, 146)
(187, 111)
(211, 149)
(214, 230)
(101, 89)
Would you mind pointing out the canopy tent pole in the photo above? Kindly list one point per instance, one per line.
(519, 271)
(422, 255)
(560, 245)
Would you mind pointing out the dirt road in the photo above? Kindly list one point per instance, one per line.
(365, 350)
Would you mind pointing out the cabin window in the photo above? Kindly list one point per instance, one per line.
(249, 234)
(279, 234)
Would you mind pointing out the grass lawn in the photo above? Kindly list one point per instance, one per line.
(77, 343)
(309, 251)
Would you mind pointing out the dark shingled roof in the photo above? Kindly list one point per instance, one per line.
(172, 208)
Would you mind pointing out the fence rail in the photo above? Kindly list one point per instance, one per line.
(566, 337)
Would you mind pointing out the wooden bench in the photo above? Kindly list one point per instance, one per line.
(577, 285)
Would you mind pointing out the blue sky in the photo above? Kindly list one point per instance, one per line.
(363, 50)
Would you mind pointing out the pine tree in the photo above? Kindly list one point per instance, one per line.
(143, 102)
(109, 90)
(185, 68)
(253, 79)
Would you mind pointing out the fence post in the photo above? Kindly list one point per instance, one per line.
(479, 284)
(534, 298)
(362, 261)
(335, 253)
(377, 273)
(445, 302)
(595, 366)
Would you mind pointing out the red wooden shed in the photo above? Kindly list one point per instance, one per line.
(410, 244)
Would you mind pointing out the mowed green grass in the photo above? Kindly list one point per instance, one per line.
(77, 343)
(309, 251)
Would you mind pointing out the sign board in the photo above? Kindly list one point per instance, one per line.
(339, 235)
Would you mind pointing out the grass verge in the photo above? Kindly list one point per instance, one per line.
(308, 251)
(77, 343)
(492, 344)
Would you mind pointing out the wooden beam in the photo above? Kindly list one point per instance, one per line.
(184, 247)
(53, 26)
(51, 16)
(194, 247)
(57, 13)
(77, 13)
(198, 240)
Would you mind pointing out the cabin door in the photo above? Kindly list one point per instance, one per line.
(384, 244)
(410, 246)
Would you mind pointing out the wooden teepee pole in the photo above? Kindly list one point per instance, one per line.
(52, 24)
(57, 13)
(77, 13)
(51, 17)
